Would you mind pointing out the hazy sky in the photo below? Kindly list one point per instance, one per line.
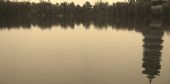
(80, 1)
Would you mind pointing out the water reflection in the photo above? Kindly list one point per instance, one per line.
(152, 30)
(137, 24)
(152, 48)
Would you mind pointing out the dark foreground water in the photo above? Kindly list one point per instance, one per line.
(79, 55)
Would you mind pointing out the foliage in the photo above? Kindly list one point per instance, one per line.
(98, 10)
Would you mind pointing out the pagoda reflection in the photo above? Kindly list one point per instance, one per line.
(152, 49)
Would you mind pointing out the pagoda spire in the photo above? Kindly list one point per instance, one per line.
(150, 80)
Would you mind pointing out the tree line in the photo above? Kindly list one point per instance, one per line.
(71, 10)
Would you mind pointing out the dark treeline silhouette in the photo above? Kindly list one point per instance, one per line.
(71, 10)
(137, 24)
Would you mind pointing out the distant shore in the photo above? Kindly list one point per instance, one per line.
(98, 10)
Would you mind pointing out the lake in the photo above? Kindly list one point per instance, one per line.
(80, 2)
(90, 54)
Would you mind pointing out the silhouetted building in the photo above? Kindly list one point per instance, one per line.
(157, 7)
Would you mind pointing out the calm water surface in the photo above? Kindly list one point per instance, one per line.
(83, 56)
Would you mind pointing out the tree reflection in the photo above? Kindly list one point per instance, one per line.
(123, 23)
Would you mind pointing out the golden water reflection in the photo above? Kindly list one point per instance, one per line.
(83, 56)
